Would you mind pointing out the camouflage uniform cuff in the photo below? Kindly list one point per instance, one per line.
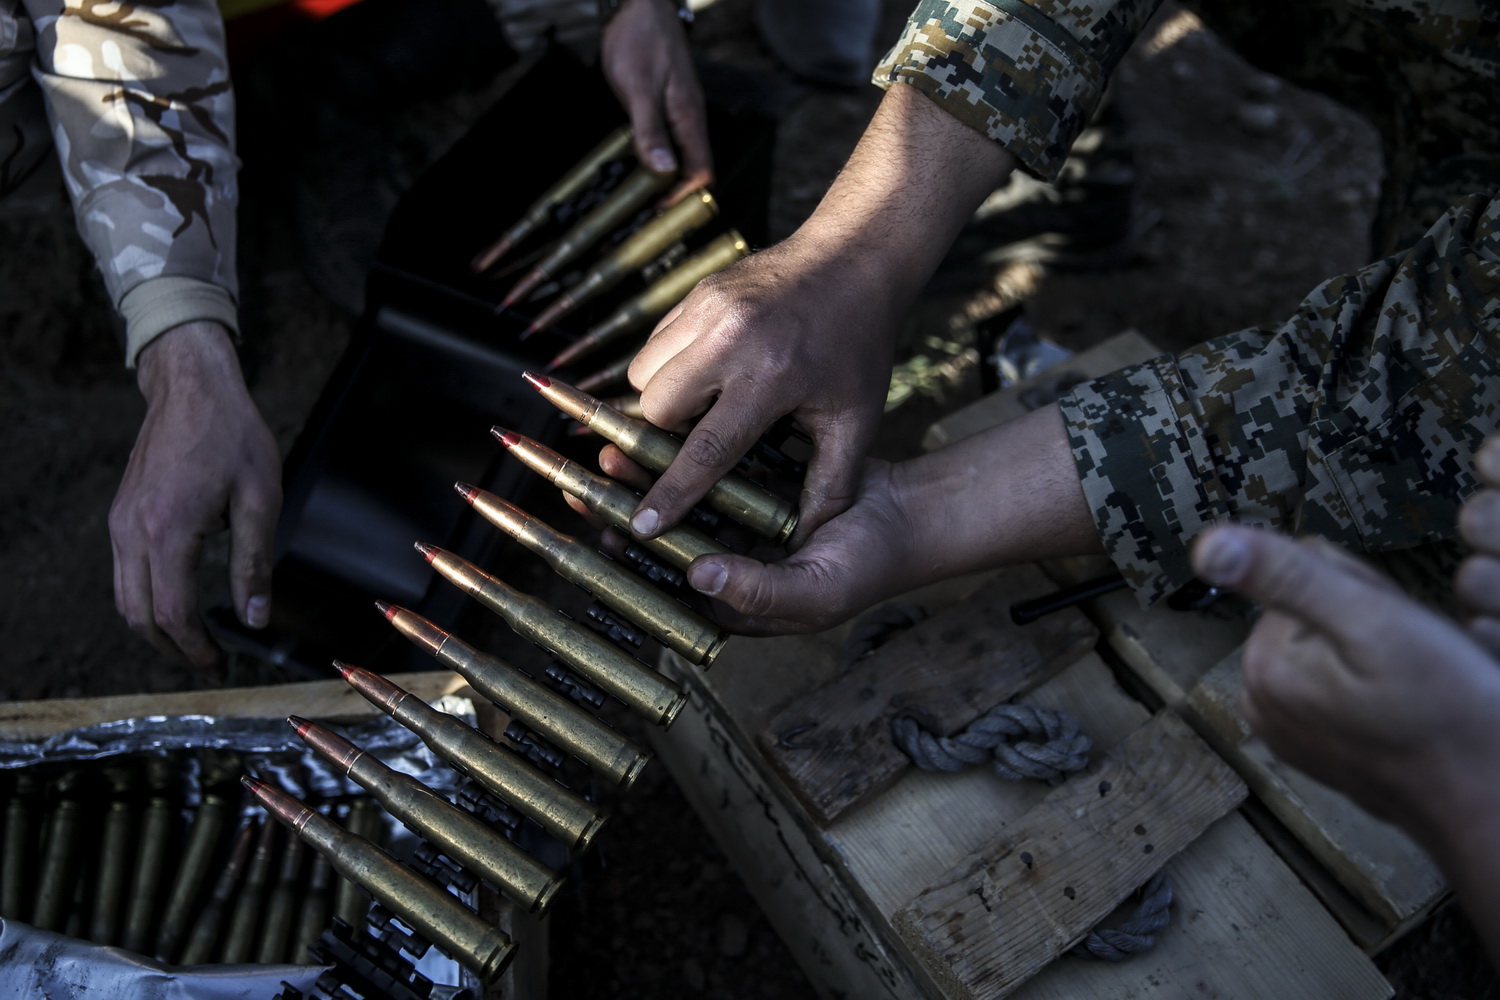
(153, 307)
(1003, 69)
(1144, 464)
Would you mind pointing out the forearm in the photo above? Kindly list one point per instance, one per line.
(915, 178)
(1007, 495)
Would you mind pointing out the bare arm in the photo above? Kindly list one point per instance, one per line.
(806, 327)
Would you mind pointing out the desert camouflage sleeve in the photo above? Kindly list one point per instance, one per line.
(1026, 73)
(138, 94)
(1357, 419)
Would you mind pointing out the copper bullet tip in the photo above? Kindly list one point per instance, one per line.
(254, 784)
(386, 608)
(537, 381)
(508, 438)
(466, 491)
(343, 668)
(429, 552)
(298, 723)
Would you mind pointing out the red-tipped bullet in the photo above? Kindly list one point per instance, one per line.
(483, 261)
(508, 438)
(343, 668)
(466, 491)
(428, 551)
(298, 723)
(523, 287)
(254, 784)
(537, 381)
(551, 314)
(386, 608)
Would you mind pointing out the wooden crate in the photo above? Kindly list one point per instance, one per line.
(1372, 876)
(914, 884)
(321, 700)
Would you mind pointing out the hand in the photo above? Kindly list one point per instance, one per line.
(789, 330)
(1478, 581)
(1361, 687)
(645, 56)
(203, 455)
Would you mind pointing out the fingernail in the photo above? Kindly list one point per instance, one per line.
(1222, 558)
(708, 578)
(258, 611)
(644, 522)
(661, 160)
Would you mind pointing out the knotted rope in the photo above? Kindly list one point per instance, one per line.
(1138, 933)
(1019, 741)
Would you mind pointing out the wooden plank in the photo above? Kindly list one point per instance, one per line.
(999, 918)
(833, 746)
(1380, 866)
(1117, 352)
(29, 720)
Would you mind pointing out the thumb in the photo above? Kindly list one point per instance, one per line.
(795, 595)
(653, 143)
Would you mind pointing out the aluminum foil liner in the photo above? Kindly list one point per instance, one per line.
(40, 965)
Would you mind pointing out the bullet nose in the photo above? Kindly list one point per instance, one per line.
(537, 380)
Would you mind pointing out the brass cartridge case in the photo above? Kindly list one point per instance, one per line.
(613, 146)
(579, 647)
(753, 506)
(504, 773)
(349, 904)
(672, 623)
(150, 862)
(203, 941)
(609, 500)
(281, 908)
(644, 245)
(462, 837)
(654, 303)
(59, 870)
(538, 708)
(113, 874)
(431, 912)
(192, 872)
(249, 902)
(20, 850)
(623, 202)
(312, 918)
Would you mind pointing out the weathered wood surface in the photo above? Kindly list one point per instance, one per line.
(312, 699)
(1244, 925)
(1117, 352)
(834, 746)
(993, 922)
(1379, 865)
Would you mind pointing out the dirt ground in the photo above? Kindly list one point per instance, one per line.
(1249, 193)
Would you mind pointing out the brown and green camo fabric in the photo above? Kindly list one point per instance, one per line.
(138, 98)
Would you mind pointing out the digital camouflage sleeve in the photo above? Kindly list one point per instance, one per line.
(138, 96)
(1358, 418)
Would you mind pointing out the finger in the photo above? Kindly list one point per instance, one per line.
(1487, 462)
(1479, 522)
(712, 448)
(661, 346)
(833, 475)
(653, 144)
(175, 598)
(252, 537)
(1477, 584)
(1485, 630)
(582, 510)
(1282, 573)
(133, 590)
(765, 598)
(688, 122)
(615, 464)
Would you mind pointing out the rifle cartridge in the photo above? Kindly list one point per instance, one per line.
(641, 248)
(613, 146)
(753, 506)
(614, 372)
(58, 877)
(655, 302)
(192, 872)
(349, 904)
(611, 501)
(145, 884)
(671, 622)
(579, 647)
(20, 847)
(312, 918)
(538, 708)
(244, 918)
(113, 873)
(463, 838)
(431, 912)
(203, 942)
(276, 928)
(501, 771)
(623, 202)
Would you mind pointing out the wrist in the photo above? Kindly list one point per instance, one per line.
(197, 352)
